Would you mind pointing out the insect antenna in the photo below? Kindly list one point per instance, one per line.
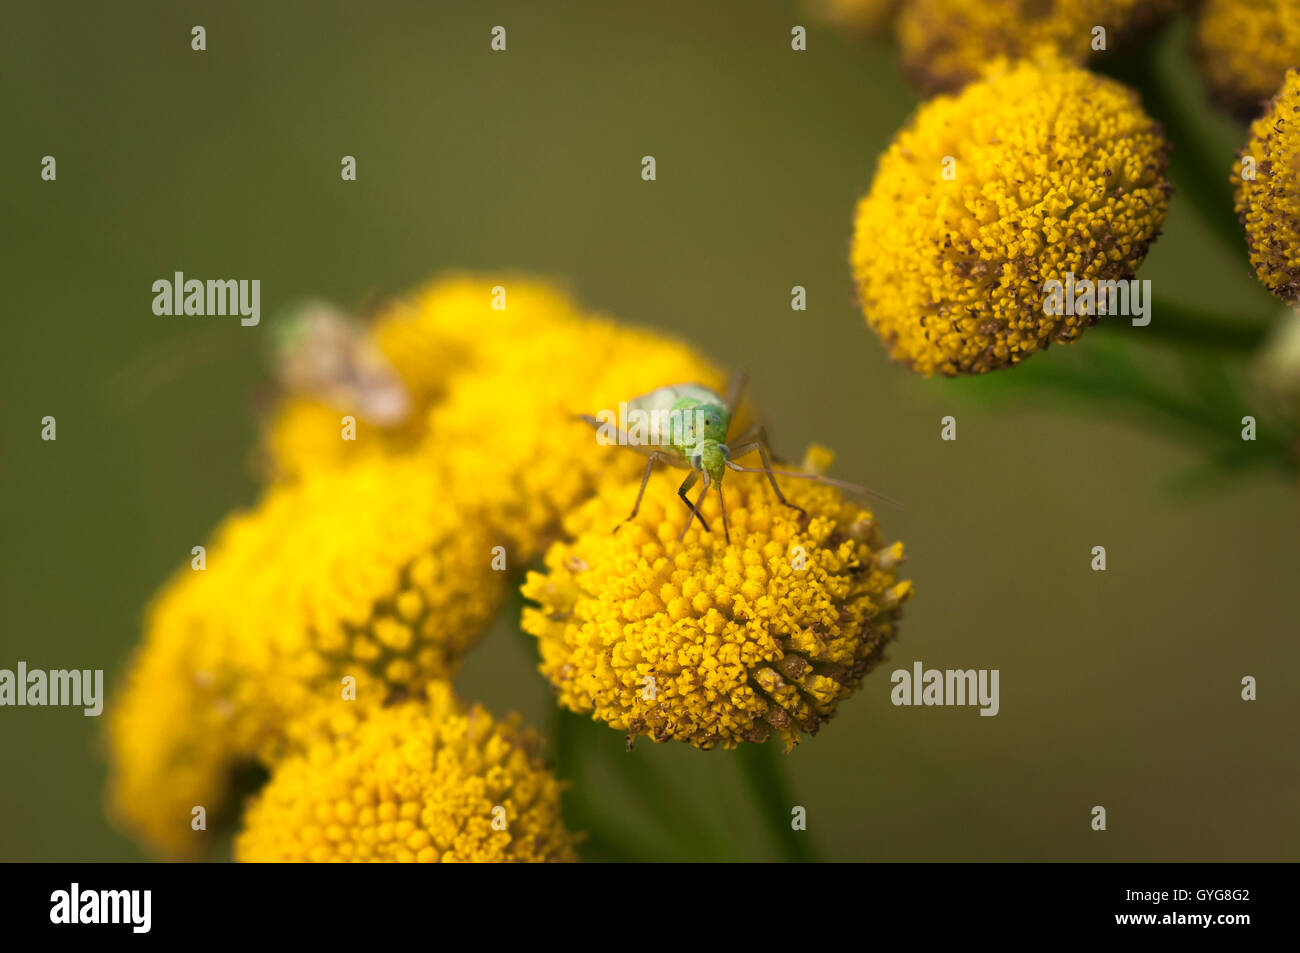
(841, 484)
(736, 389)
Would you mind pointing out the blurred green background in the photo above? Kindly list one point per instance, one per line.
(1119, 688)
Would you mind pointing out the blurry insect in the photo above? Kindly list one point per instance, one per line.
(324, 354)
(689, 424)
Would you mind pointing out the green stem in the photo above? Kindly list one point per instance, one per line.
(775, 797)
(1177, 323)
(605, 839)
(1199, 171)
(662, 798)
(1206, 413)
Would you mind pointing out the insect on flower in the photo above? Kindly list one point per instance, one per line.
(322, 353)
(688, 429)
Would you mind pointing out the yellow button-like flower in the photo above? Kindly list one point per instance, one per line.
(499, 367)
(419, 781)
(945, 44)
(307, 436)
(1245, 48)
(511, 430)
(173, 744)
(368, 580)
(1039, 172)
(707, 642)
(380, 564)
(431, 339)
(1267, 176)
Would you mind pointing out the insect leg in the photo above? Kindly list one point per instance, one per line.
(684, 489)
(695, 510)
(759, 443)
(654, 458)
(735, 390)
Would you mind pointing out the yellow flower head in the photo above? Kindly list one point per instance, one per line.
(305, 436)
(1038, 171)
(378, 564)
(431, 340)
(171, 744)
(498, 366)
(945, 44)
(370, 579)
(512, 431)
(418, 781)
(1269, 203)
(1245, 48)
(707, 642)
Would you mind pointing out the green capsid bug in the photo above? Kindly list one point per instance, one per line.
(686, 426)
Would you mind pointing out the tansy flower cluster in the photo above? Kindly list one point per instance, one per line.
(1243, 47)
(1031, 175)
(1038, 171)
(713, 643)
(364, 574)
(316, 643)
(1267, 178)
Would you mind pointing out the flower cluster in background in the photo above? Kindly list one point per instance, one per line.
(315, 649)
(1049, 152)
(1245, 48)
(1054, 172)
(944, 44)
